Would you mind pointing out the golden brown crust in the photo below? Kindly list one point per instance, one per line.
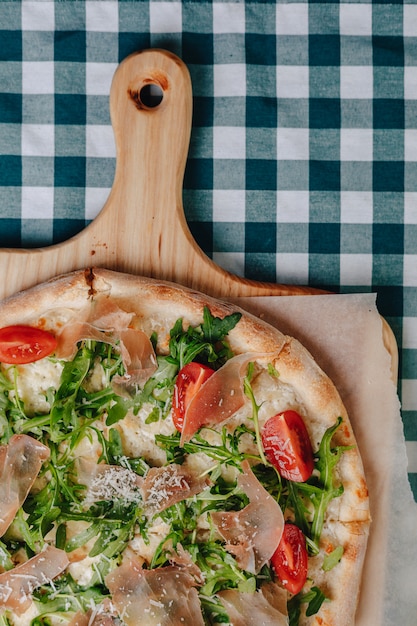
(341, 584)
(157, 305)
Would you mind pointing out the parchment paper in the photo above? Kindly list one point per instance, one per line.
(344, 333)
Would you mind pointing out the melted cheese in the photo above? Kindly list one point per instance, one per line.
(156, 532)
(139, 437)
(83, 571)
(33, 382)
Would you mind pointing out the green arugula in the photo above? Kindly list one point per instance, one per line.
(204, 343)
(314, 598)
(319, 490)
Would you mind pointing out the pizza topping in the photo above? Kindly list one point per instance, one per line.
(108, 482)
(138, 358)
(136, 349)
(20, 462)
(25, 344)
(220, 397)
(162, 596)
(253, 533)
(288, 447)
(181, 558)
(261, 608)
(164, 486)
(189, 381)
(290, 560)
(107, 315)
(17, 585)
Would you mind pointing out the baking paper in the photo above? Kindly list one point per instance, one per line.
(344, 333)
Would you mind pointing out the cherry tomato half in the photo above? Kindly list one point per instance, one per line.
(290, 559)
(287, 446)
(25, 344)
(189, 380)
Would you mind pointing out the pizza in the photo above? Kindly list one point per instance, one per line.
(167, 458)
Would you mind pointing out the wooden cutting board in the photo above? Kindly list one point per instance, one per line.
(142, 228)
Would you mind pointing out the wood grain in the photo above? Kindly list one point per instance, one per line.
(142, 228)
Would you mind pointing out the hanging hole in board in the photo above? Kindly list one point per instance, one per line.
(151, 95)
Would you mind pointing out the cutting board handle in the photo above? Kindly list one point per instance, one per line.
(142, 228)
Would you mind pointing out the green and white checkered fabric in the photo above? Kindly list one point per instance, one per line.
(303, 159)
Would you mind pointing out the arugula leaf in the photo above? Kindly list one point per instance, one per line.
(6, 430)
(255, 411)
(215, 328)
(213, 610)
(66, 596)
(5, 557)
(327, 459)
(63, 416)
(314, 598)
(226, 451)
(332, 559)
(294, 610)
(219, 568)
(117, 410)
(207, 341)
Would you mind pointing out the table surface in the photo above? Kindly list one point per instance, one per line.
(303, 158)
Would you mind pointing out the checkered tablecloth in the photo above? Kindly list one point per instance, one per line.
(303, 158)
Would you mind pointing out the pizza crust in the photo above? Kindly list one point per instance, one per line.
(157, 305)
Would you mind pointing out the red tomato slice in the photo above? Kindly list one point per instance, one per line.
(287, 446)
(290, 559)
(25, 344)
(189, 380)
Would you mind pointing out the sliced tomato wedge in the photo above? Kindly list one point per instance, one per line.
(287, 446)
(25, 344)
(189, 380)
(290, 559)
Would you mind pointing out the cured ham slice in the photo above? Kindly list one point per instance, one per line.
(138, 358)
(164, 596)
(107, 315)
(110, 324)
(261, 608)
(253, 533)
(164, 486)
(182, 559)
(17, 585)
(20, 462)
(218, 398)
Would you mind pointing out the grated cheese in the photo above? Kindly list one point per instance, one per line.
(116, 483)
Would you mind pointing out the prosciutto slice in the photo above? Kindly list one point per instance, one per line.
(110, 324)
(252, 534)
(261, 608)
(138, 358)
(164, 486)
(20, 462)
(182, 559)
(158, 597)
(17, 585)
(218, 398)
